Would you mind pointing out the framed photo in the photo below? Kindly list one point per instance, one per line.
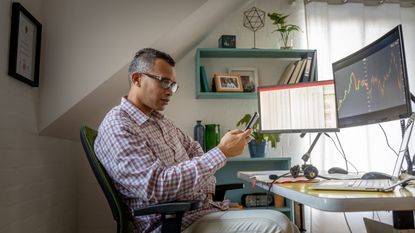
(24, 53)
(249, 77)
(227, 82)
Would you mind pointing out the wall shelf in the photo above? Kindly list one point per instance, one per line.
(208, 53)
(226, 95)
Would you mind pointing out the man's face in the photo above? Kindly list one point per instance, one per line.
(151, 94)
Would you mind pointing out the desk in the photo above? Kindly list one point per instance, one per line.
(401, 201)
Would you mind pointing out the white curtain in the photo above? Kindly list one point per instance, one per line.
(337, 31)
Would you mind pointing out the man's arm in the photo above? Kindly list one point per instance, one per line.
(194, 149)
(131, 163)
(191, 146)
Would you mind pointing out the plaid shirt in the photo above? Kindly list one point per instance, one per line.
(151, 161)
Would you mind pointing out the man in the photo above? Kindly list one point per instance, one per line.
(152, 161)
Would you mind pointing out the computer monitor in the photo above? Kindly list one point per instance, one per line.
(298, 108)
(372, 83)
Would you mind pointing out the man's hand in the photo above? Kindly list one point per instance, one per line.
(233, 142)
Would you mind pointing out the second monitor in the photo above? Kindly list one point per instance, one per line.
(298, 108)
(372, 83)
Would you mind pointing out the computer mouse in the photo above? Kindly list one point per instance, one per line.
(375, 175)
(337, 170)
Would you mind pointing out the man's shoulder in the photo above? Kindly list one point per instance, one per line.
(116, 117)
(116, 114)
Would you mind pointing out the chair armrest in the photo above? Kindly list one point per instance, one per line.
(169, 207)
(221, 189)
(225, 187)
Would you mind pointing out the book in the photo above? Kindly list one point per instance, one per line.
(306, 75)
(287, 73)
(300, 73)
(203, 79)
(292, 74)
(296, 72)
(313, 67)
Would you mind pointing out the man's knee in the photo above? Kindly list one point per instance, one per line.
(267, 221)
(271, 221)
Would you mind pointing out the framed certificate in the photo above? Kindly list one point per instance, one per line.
(24, 53)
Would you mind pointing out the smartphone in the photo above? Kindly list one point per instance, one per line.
(252, 121)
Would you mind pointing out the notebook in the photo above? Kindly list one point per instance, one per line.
(374, 184)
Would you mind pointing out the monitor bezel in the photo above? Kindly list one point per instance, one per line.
(309, 130)
(375, 117)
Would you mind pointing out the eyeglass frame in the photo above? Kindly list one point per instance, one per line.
(171, 85)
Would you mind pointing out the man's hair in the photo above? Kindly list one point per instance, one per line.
(144, 59)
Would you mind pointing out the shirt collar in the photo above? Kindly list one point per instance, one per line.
(135, 113)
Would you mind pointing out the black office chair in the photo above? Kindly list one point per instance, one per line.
(171, 213)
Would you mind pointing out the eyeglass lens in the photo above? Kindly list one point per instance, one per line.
(165, 83)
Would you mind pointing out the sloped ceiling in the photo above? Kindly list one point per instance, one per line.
(178, 41)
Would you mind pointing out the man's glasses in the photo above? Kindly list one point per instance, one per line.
(165, 83)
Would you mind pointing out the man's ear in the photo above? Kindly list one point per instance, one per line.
(135, 79)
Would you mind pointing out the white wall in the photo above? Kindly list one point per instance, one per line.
(89, 41)
(37, 176)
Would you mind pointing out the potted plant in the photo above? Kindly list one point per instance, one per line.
(257, 145)
(283, 28)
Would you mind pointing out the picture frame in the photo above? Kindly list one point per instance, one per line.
(24, 50)
(225, 82)
(248, 75)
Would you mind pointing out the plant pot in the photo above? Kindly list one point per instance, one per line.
(257, 150)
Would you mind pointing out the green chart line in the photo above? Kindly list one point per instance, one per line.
(356, 84)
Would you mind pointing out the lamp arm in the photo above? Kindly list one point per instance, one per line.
(306, 156)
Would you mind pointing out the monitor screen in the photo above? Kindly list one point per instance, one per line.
(372, 84)
(300, 107)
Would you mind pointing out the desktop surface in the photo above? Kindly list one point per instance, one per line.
(339, 201)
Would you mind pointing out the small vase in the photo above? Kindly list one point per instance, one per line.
(257, 150)
(199, 134)
(289, 44)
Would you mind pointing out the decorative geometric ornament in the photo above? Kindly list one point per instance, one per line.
(254, 19)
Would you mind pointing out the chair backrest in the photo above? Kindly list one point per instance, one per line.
(118, 208)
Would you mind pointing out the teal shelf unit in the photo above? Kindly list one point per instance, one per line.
(241, 53)
(228, 174)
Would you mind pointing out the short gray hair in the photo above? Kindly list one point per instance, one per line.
(143, 61)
